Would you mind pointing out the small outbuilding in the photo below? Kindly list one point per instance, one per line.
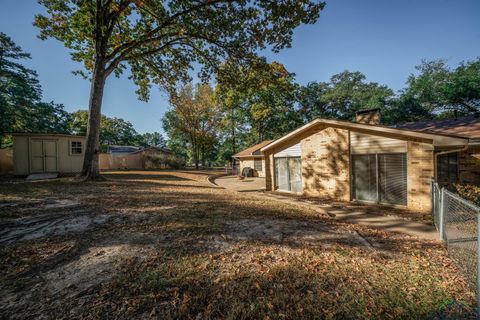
(47, 152)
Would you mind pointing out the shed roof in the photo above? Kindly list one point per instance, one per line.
(249, 152)
(43, 134)
(468, 126)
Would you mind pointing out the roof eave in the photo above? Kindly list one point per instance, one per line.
(434, 139)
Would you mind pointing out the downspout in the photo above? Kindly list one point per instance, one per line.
(464, 148)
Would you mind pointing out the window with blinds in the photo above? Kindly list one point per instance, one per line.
(380, 178)
(257, 165)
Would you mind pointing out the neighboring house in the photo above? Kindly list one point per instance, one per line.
(41, 152)
(369, 162)
(253, 158)
(131, 157)
(113, 149)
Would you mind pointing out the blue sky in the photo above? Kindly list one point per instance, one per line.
(384, 39)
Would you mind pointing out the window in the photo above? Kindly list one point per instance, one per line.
(447, 168)
(257, 165)
(76, 147)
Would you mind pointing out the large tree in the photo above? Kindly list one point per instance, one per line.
(19, 86)
(345, 94)
(439, 88)
(113, 131)
(194, 117)
(161, 40)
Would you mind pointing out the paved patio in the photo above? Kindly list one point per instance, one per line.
(368, 215)
(246, 185)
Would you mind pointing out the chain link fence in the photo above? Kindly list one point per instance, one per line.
(457, 221)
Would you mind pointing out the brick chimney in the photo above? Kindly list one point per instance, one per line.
(371, 116)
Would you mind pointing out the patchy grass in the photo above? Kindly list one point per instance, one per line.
(169, 245)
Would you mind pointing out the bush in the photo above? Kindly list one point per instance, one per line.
(469, 192)
(163, 161)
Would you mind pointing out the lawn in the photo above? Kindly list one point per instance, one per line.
(169, 245)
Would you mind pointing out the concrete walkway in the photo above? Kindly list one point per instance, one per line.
(245, 185)
(362, 214)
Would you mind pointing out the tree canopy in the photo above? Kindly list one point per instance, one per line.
(161, 41)
(21, 109)
(439, 88)
(194, 119)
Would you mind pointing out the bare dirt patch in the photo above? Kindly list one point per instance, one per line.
(169, 245)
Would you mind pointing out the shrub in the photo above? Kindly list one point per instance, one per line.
(469, 192)
(164, 161)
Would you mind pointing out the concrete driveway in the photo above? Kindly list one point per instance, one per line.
(246, 185)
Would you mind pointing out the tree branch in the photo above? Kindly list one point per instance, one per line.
(147, 38)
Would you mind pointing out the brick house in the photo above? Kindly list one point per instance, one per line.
(252, 158)
(368, 162)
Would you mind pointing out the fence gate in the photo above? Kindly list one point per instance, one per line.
(458, 223)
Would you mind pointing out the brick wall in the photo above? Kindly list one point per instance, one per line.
(269, 171)
(250, 162)
(469, 166)
(325, 164)
(420, 168)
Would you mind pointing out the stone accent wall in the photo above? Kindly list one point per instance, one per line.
(469, 166)
(420, 169)
(326, 164)
(249, 162)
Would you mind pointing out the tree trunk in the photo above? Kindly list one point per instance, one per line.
(234, 148)
(90, 168)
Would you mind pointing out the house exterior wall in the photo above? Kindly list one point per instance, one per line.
(250, 162)
(326, 164)
(469, 166)
(66, 162)
(420, 170)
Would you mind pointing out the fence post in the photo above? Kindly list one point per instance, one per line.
(478, 265)
(440, 216)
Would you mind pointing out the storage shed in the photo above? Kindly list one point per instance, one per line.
(46, 152)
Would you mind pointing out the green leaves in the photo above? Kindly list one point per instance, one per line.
(439, 88)
(162, 40)
(346, 93)
(20, 94)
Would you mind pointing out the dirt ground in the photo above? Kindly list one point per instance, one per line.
(169, 245)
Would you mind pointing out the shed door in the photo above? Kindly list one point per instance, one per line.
(43, 156)
(50, 154)
(36, 160)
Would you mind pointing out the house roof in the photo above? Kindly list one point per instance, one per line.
(122, 149)
(468, 126)
(249, 152)
(435, 139)
(160, 149)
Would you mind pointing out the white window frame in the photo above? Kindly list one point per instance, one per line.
(70, 146)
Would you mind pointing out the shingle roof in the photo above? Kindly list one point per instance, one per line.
(249, 152)
(468, 126)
